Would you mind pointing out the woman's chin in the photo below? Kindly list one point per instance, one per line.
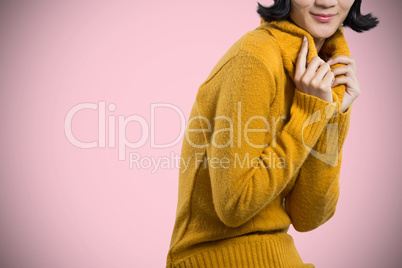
(322, 32)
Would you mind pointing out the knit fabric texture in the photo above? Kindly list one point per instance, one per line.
(258, 155)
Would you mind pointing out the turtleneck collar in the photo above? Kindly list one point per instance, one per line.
(289, 37)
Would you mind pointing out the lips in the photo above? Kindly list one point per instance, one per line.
(323, 17)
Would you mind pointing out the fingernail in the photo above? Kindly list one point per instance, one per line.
(329, 62)
(304, 38)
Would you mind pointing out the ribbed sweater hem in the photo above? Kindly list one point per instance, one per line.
(256, 250)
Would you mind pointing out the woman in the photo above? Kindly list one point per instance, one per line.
(263, 144)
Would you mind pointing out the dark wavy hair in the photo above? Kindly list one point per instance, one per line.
(355, 20)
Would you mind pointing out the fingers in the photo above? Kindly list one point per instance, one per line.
(312, 67)
(349, 70)
(322, 71)
(345, 70)
(343, 60)
(301, 59)
(322, 81)
(352, 90)
(350, 83)
(329, 78)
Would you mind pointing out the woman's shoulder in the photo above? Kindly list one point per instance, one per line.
(260, 43)
(257, 43)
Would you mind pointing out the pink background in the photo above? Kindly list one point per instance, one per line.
(64, 206)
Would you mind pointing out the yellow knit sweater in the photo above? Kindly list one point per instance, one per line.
(258, 155)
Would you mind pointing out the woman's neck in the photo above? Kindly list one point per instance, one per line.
(319, 42)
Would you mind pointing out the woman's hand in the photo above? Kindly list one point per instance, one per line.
(311, 80)
(352, 86)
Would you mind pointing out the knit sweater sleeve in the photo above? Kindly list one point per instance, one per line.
(314, 197)
(239, 136)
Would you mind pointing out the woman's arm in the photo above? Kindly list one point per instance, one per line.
(315, 194)
(256, 170)
(314, 197)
